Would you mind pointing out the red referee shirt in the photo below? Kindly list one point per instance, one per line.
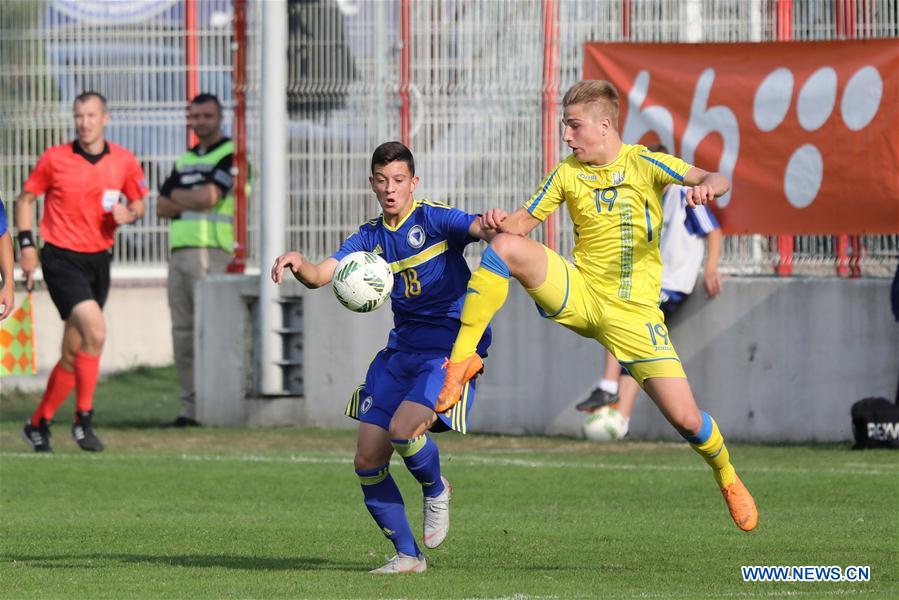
(80, 192)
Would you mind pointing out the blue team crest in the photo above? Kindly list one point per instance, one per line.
(366, 405)
(416, 237)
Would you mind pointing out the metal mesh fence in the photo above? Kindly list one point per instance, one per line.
(132, 53)
(475, 87)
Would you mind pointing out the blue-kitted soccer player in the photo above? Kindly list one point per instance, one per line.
(7, 285)
(423, 243)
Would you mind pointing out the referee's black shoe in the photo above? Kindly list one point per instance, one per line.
(38, 437)
(83, 432)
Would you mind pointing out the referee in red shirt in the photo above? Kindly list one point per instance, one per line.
(81, 182)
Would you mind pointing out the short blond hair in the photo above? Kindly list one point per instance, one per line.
(598, 91)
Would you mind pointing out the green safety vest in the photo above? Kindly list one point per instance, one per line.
(213, 229)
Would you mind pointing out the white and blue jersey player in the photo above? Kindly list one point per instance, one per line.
(423, 243)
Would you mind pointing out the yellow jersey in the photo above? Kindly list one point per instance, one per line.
(616, 209)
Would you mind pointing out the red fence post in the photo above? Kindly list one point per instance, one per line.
(191, 59)
(855, 269)
(550, 90)
(239, 87)
(405, 72)
(841, 260)
(626, 19)
(784, 265)
(844, 12)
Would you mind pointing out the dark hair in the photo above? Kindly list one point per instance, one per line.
(389, 152)
(204, 98)
(659, 148)
(85, 96)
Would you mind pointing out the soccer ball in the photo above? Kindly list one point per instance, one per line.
(362, 281)
(605, 425)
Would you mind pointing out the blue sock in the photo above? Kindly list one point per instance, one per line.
(422, 458)
(385, 503)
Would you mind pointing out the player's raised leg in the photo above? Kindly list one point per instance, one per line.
(507, 256)
(383, 499)
(422, 457)
(675, 399)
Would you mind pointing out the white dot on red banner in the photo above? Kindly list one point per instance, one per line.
(861, 98)
(772, 99)
(815, 104)
(803, 176)
(817, 98)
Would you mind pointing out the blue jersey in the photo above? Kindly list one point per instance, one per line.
(431, 276)
(3, 224)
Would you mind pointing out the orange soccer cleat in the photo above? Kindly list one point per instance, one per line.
(457, 375)
(741, 505)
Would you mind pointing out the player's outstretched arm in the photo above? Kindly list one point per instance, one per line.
(485, 226)
(703, 187)
(309, 274)
(520, 222)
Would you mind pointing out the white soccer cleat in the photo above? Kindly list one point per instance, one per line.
(436, 518)
(403, 563)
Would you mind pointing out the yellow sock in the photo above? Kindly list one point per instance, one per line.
(709, 443)
(487, 291)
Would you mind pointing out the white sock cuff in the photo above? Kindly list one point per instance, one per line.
(607, 385)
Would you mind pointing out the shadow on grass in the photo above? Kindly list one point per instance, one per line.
(249, 563)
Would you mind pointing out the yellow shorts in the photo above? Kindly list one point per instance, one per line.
(634, 333)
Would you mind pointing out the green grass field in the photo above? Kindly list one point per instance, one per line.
(277, 513)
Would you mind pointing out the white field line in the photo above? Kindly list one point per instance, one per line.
(817, 593)
(471, 460)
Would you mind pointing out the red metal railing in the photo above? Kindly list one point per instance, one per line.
(241, 162)
(405, 72)
(191, 59)
(784, 266)
(844, 13)
(550, 91)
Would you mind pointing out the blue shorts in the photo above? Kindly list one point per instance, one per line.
(395, 376)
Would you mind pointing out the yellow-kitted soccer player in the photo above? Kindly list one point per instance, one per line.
(613, 194)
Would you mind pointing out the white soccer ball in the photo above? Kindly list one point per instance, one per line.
(605, 425)
(362, 281)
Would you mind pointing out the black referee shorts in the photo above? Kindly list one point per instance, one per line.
(74, 277)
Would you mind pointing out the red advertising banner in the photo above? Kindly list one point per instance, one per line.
(807, 132)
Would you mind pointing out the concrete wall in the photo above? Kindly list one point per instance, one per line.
(783, 360)
(138, 330)
(337, 348)
(771, 359)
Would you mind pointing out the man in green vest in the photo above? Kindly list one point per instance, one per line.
(198, 197)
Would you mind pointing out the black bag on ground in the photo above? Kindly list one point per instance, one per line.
(875, 424)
